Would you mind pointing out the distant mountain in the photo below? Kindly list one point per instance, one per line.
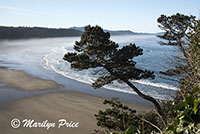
(112, 32)
(121, 32)
(159, 33)
(41, 32)
(82, 29)
(36, 32)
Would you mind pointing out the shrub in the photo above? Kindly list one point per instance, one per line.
(188, 117)
(121, 119)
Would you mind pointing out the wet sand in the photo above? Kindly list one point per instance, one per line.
(23, 81)
(68, 105)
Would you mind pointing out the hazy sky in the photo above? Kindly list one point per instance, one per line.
(135, 15)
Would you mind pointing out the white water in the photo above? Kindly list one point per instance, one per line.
(36, 55)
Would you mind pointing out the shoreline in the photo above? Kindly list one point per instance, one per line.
(23, 81)
(31, 85)
(69, 105)
(47, 104)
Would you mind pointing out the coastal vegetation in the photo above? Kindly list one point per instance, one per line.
(115, 32)
(42, 32)
(110, 63)
(184, 32)
(181, 116)
(35, 32)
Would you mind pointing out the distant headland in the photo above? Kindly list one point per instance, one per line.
(42, 32)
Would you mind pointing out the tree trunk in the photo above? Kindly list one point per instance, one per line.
(146, 97)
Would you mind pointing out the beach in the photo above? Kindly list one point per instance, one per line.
(23, 81)
(50, 107)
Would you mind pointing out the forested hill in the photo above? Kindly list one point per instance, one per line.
(41, 32)
(35, 32)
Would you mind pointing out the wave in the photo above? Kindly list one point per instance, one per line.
(161, 85)
(54, 62)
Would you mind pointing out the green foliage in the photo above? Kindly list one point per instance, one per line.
(95, 49)
(120, 119)
(130, 130)
(176, 32)
(188, 117)
(35, 32)
(191, 76)
(176, 71)
(184, 113)
(183, 31)
(175, 28)
(194, 56)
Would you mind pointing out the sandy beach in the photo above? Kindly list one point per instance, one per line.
(23, 81)
(51, 107)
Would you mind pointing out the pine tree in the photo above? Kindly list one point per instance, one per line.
(96, 50)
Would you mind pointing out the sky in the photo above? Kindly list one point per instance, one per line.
(135, 15)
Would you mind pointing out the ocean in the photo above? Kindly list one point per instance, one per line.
(44, 58)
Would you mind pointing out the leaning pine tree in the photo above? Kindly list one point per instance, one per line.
(96, 50)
